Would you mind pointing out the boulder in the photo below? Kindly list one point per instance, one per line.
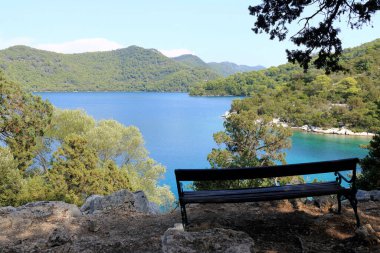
(324, 202)
(375, 195)
(58, 237)
(363, 195)
(123, 199)
(88, 204)
(154, 208)
(41, 209)
(7, 210)
(23, 217)
(176, 240)
(367, 234)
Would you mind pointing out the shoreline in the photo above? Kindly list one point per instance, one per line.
(341, 131)
(297, 129)
(333, 131)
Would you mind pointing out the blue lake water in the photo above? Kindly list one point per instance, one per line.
(178, 128)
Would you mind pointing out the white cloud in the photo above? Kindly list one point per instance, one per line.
(80, 46)
(175, 52)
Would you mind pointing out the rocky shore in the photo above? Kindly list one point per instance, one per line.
(338, 131)
(127, 222)
(320, 130)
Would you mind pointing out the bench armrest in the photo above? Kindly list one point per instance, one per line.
(352, 181)
(340, 177)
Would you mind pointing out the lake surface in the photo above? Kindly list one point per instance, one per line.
(178, 128)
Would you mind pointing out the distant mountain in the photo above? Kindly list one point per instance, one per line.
(191, 60)
(129, 69)
(222, 68)
(229, 68)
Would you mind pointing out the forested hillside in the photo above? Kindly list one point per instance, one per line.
(347, 98)
(229, 68)
(129, 69)
(222, 68)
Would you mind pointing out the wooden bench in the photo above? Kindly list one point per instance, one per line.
(269, 193)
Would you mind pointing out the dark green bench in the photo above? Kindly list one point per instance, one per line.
(269, 193)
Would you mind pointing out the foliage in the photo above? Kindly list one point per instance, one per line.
(104, 145)
(114, 141)
(128, 69)
(66, 122)
(369, 179)
(312, 98)
(10, 179)
(145, 176)
(70, 175)
(34, 188)
(273, 17)
(74, 156)
(248, 140)
(24, 118)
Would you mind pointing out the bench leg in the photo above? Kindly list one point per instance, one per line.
(339, 196)
(184, 216)
(354, 204)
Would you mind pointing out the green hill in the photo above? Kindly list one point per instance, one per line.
(229, 68)
(191, 60)
(129, 69)
(222, 68)
(341, 99)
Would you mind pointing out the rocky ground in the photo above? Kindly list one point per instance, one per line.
(278, 226)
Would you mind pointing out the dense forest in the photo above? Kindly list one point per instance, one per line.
(129, 69)
(347, 98)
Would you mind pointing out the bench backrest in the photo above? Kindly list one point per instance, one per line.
(267, 171)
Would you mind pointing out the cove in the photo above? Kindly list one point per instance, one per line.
(178, 128)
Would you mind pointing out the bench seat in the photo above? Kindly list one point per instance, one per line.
(269, 193)
(264, 193)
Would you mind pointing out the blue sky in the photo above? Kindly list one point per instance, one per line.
(215, 30)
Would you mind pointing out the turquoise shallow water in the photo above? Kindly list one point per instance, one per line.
(178, 128)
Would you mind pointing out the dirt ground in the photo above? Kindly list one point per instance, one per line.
(279, 226)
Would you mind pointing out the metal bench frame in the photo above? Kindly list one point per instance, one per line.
(269, 193)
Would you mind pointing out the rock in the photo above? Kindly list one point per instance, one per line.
(7, 210)
(176, 240)
(375, 195)
(324, 202)
(58, 237)
(93, 226)
(89, 201)
(363, 195)
(298, 203)
(22, 217)
(141, 202)
(153, 208)
(124, 199)
(47, 208)
(367, 234)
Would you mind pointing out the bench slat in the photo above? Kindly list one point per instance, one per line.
(261, 194)
(296, 187)
(266, 172)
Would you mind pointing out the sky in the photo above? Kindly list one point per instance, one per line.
(214, 30)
